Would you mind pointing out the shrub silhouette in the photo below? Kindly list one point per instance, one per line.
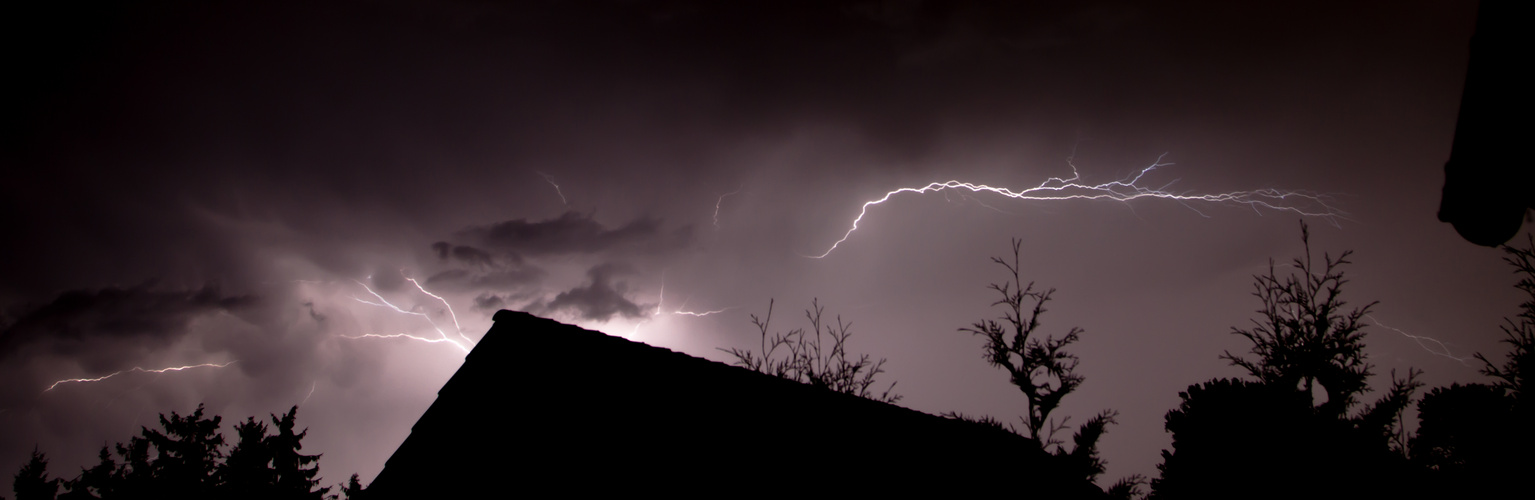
(817, 357)
(1268, 438)
(1475, 439)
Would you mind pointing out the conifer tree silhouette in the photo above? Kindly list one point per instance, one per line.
(1476, 439)
(352, 490)
(1231, 435)
(247, 472)
(32, 482)
(185, 460)
(295, 471)
(187, 454)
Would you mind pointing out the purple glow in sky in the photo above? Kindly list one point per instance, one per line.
(335, 198)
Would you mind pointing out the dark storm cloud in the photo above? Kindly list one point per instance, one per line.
(470, 255)
(601, 299)
(482, 270)
(499, 279)
(489, 302)
(141, 315)
(574, 232)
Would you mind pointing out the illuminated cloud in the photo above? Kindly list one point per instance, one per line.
(603, 298)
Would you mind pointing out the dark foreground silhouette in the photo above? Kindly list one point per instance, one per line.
(186, 459)
(540, 406)
(548, 407)
(1295, 430)
(1488, 179)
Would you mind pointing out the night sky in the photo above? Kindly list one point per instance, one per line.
(191, 184)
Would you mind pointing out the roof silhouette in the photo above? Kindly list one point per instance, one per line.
(541, 406)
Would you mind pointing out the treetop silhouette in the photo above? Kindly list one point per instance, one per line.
(1306, 336)
(1475, 440)
(184, 459)
(1229, 435)
(1044, 372)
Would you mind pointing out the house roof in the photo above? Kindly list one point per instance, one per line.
(540, 404)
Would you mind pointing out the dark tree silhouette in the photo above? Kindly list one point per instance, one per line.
(247, 472)
(185, 460)
(1305, 338)
(1520, 331)
(295, 471)
(1476, 439)
(95, 482)
(817, 357)
(352, 490)
(1044, 372)
(187, 454)
(32, 482)
(1269, 438)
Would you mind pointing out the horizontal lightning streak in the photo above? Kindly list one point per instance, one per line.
(1125, 190)
(701, 314)
(407, 336)
(138, 370)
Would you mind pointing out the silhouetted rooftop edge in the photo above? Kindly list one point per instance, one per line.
(538, 404)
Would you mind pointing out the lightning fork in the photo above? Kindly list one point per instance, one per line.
(445, 303)
(1124, 190)
(385, 303)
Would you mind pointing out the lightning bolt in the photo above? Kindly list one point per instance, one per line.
(661, 300)
(405, 336)
(1124, 190)
(451, 314)
(550, 179)
(701, 314)
(311, 392)
(1427, 343)
(139, 370)
(720, 201)
(385, 303)
(681, 312)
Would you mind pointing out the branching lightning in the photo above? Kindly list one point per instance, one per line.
(660, 303)
(138, 370)
(1056, 188)
(445, 303)
(550, 179)
(385, 303)
(1427, 343)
